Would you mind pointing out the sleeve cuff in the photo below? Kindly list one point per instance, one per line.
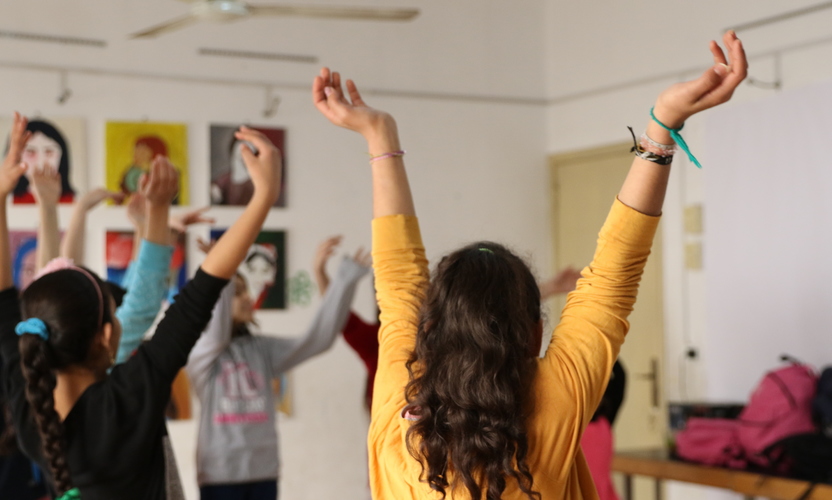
(630, 226)
(352, 270)
(396, 232)
(153, 256)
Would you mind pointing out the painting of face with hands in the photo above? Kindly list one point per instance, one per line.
(230, 182)
(49, 149)
(264, 269)
(132, 146)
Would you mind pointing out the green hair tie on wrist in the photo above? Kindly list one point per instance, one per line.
(674, 134)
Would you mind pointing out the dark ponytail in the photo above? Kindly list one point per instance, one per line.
(73, 305)
(40, 384)
(470, 373)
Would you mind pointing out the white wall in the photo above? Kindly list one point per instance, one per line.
(477, 168)
(628, 52)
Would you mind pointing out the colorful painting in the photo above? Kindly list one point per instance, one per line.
(230, 183)
(131, 147)
(119, 253)
(264, 269)
(24, 264)
(57, 144)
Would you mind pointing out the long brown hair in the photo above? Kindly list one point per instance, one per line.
(70, 306)
(470, 372)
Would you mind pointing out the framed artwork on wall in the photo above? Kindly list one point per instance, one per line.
(230, 183)
(131, 147)
(119, 253)
(58, 144)
(264, 269)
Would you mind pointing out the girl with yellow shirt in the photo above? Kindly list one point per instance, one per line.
(463, 407)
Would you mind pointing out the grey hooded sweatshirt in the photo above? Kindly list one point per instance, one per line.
(237, 439)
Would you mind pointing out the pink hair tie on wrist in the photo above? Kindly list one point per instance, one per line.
(392, 154)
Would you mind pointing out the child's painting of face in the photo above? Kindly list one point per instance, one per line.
(230, 182)
(264, 269)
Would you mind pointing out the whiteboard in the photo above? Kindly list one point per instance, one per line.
(768, 237)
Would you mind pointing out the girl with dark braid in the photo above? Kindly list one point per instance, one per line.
(463, 407)
(97, 430)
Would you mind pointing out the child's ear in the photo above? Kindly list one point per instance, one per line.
(106, 336)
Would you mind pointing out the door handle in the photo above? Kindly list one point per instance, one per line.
(653, 378)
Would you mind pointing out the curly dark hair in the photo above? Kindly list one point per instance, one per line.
(475, 357)
(68, 303)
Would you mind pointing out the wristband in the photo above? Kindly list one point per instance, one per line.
(392, 154)
(674, 133)
(659, 159)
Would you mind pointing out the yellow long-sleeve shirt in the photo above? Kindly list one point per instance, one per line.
(571, 377)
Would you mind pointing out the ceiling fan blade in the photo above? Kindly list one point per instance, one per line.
(366, 13)
(172, 25)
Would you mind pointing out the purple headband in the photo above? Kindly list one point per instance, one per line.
(61, 263)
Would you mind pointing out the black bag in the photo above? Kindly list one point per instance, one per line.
(810, 456)
(822, 405)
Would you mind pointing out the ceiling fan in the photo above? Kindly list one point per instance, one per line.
(232, 10)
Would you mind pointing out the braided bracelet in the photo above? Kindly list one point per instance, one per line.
(660, 149)
(649, 155)
(392, 154)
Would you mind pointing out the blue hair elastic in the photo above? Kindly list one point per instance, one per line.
(33, 326)
(674, 134)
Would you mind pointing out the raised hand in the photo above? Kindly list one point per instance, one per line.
(363, 257)
(12, 168)
(161, 185)
(180, 223)
(46, 187)
(205, 246)
(352, 113)
(264, 167)
(714, 87)
(563, 282)
(137, 210)
(91, 199)
(325, 250)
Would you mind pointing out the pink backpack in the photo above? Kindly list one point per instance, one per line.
(780, 406)
(711, 441)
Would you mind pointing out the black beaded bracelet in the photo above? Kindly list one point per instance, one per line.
(648, 155)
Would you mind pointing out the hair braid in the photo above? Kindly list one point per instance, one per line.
(40, 384)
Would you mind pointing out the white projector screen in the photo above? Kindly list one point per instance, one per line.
(768, 238)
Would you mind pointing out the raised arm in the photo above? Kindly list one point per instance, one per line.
(264, 168)
(322, 255)
(391, 191)
(147, 277)
(329, 319)
(594, 321)
(401, 269)
(72, 245)
(46, 187)
(645, 186)
(10, 171)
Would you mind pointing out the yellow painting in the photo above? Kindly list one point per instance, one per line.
(131, 147)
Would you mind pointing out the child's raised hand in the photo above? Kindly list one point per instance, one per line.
(714, 87)
(265, 167)
(12, 168)
(92, 198)
(180, 223)
(137, 210)
(46, 187)
(161, 184)
(352, 113)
